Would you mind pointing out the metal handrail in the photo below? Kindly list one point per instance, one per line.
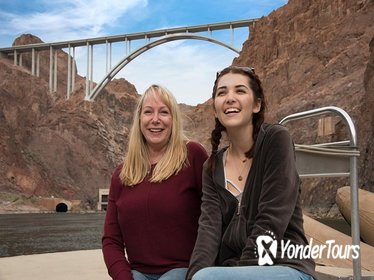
(355, 220)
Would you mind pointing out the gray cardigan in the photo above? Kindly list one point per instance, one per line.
(270, 202)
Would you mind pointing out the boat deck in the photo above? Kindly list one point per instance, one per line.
(89, 265)
(337, 273)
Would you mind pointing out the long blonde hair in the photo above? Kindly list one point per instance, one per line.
(136, 163)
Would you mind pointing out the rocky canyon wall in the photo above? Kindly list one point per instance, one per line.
(309, 54)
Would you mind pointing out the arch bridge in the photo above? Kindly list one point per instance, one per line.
(152, 39)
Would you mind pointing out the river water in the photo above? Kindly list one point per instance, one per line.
(26, 234)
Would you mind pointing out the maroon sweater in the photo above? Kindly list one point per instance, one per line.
(156, 223)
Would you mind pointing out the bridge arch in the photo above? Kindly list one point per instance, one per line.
(165, 39)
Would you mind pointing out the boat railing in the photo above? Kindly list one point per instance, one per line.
(334, 159)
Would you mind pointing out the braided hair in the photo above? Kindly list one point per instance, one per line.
(258, 118)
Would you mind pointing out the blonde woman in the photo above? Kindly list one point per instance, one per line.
(155, 195)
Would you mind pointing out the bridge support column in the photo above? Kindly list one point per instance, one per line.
(15, 57)
(55, 73)
(71, 72)
(108, 56)
(52, 70)
(33, 62)
(37, 64)
(89, 76)
(68, 90)
(232, 35)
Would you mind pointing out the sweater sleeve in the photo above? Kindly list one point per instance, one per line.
(112, 243)
(198, 156)
(279, 191)
(209, 233)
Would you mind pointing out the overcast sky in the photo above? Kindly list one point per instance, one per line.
(186, 67)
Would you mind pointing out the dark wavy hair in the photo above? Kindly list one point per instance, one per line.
(258, 118)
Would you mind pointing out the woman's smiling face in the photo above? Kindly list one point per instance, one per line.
(234, 101)
(155, 122)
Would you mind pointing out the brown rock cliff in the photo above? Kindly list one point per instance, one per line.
(311, 54)
(308, 54)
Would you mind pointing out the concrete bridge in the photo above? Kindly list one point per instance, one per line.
(152, 39)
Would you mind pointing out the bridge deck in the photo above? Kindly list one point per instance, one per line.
(131, 36)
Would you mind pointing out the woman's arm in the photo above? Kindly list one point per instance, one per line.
(197, 157)
(279, 191)
(112, 242)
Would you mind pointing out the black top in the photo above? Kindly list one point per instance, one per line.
(270, 205)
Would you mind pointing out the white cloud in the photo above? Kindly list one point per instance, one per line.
(69, 19)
